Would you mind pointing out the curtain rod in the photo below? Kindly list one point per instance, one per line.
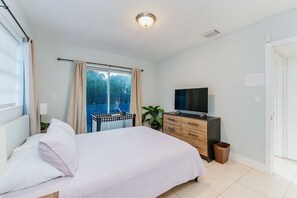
(107, 65)
(7, 8)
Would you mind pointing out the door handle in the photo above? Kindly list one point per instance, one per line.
(192, 135)
(193, 124)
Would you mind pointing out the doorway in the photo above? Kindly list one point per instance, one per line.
(281, 107)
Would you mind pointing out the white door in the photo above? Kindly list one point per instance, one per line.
(279, 134)
(292, 108)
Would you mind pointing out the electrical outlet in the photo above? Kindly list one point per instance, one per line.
(54, 96)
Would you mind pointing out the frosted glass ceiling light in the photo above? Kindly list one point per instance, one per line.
(145, 19)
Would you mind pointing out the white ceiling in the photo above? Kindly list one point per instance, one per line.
(110, 26)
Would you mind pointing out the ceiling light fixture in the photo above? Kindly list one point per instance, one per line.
(145, 19)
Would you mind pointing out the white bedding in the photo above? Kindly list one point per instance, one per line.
(130, 162)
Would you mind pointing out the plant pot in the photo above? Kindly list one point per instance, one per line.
(156, 127)
(43, 130)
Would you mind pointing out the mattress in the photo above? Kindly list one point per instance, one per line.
(130, 162)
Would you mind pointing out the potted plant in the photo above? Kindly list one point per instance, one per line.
(153, 116)
(44, 126)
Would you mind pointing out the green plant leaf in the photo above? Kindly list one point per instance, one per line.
(145, 108)
(153, 115)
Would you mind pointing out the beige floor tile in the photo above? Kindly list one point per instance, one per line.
(194, 190)
(285, 168)
(231, 169)
(215, 180)
(238, 190)
(206, 164)
(294, 183)
(268, 185)
(168, 194)
(291, 193)
(279, 179)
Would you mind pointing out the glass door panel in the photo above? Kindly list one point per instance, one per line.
(97, 94)
(120, 90)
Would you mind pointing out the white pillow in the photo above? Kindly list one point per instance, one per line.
(24, 169)
(66, 127)
(31, 141)
(58, 149)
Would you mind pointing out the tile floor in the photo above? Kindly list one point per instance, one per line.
(234, 180)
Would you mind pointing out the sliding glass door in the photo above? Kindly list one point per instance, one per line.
(107, 92)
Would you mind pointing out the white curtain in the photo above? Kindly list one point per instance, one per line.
(136, 96)
(77, 102)
(31, 101)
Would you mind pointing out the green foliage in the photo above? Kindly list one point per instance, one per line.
(120, 87)
(153, 116)
(44, 125)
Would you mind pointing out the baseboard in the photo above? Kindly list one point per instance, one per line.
(248, 162)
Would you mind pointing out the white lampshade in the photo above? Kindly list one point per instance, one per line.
(43, 108)
(145, 19)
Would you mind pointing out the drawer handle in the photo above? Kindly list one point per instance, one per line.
(192, 135)
(193, 124)
(170, 119)
(171, 129)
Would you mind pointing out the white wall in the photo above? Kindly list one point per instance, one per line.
(54, 77)
(221, 65)
(14, 7)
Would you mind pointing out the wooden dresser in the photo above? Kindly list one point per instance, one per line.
(52, 195)
(202, 133)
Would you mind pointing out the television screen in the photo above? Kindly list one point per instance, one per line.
(192, 99)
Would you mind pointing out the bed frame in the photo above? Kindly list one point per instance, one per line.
(12, 135)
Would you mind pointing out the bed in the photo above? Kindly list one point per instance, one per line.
(128, 162)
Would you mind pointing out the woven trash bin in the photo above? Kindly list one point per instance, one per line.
(221, 151)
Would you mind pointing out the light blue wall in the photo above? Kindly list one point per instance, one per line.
(54, 77)
(221, 65)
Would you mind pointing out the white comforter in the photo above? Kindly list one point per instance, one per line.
(132, 162)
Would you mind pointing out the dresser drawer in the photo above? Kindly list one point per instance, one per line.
(202, 151)
(175, 120)
(172, 130)
(200, 145)
(201, 137)
(194, 124)
(190, 139)
(194, 134)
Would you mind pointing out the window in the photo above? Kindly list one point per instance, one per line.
(11, 70)
(107, 92)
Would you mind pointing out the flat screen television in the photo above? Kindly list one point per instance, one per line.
(192, 99)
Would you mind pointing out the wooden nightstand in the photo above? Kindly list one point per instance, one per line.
(52, 195)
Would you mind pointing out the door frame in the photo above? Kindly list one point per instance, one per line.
(269, 101)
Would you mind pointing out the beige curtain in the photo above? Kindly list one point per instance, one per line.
(136, 96)
(31, 101)
(76, 116)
